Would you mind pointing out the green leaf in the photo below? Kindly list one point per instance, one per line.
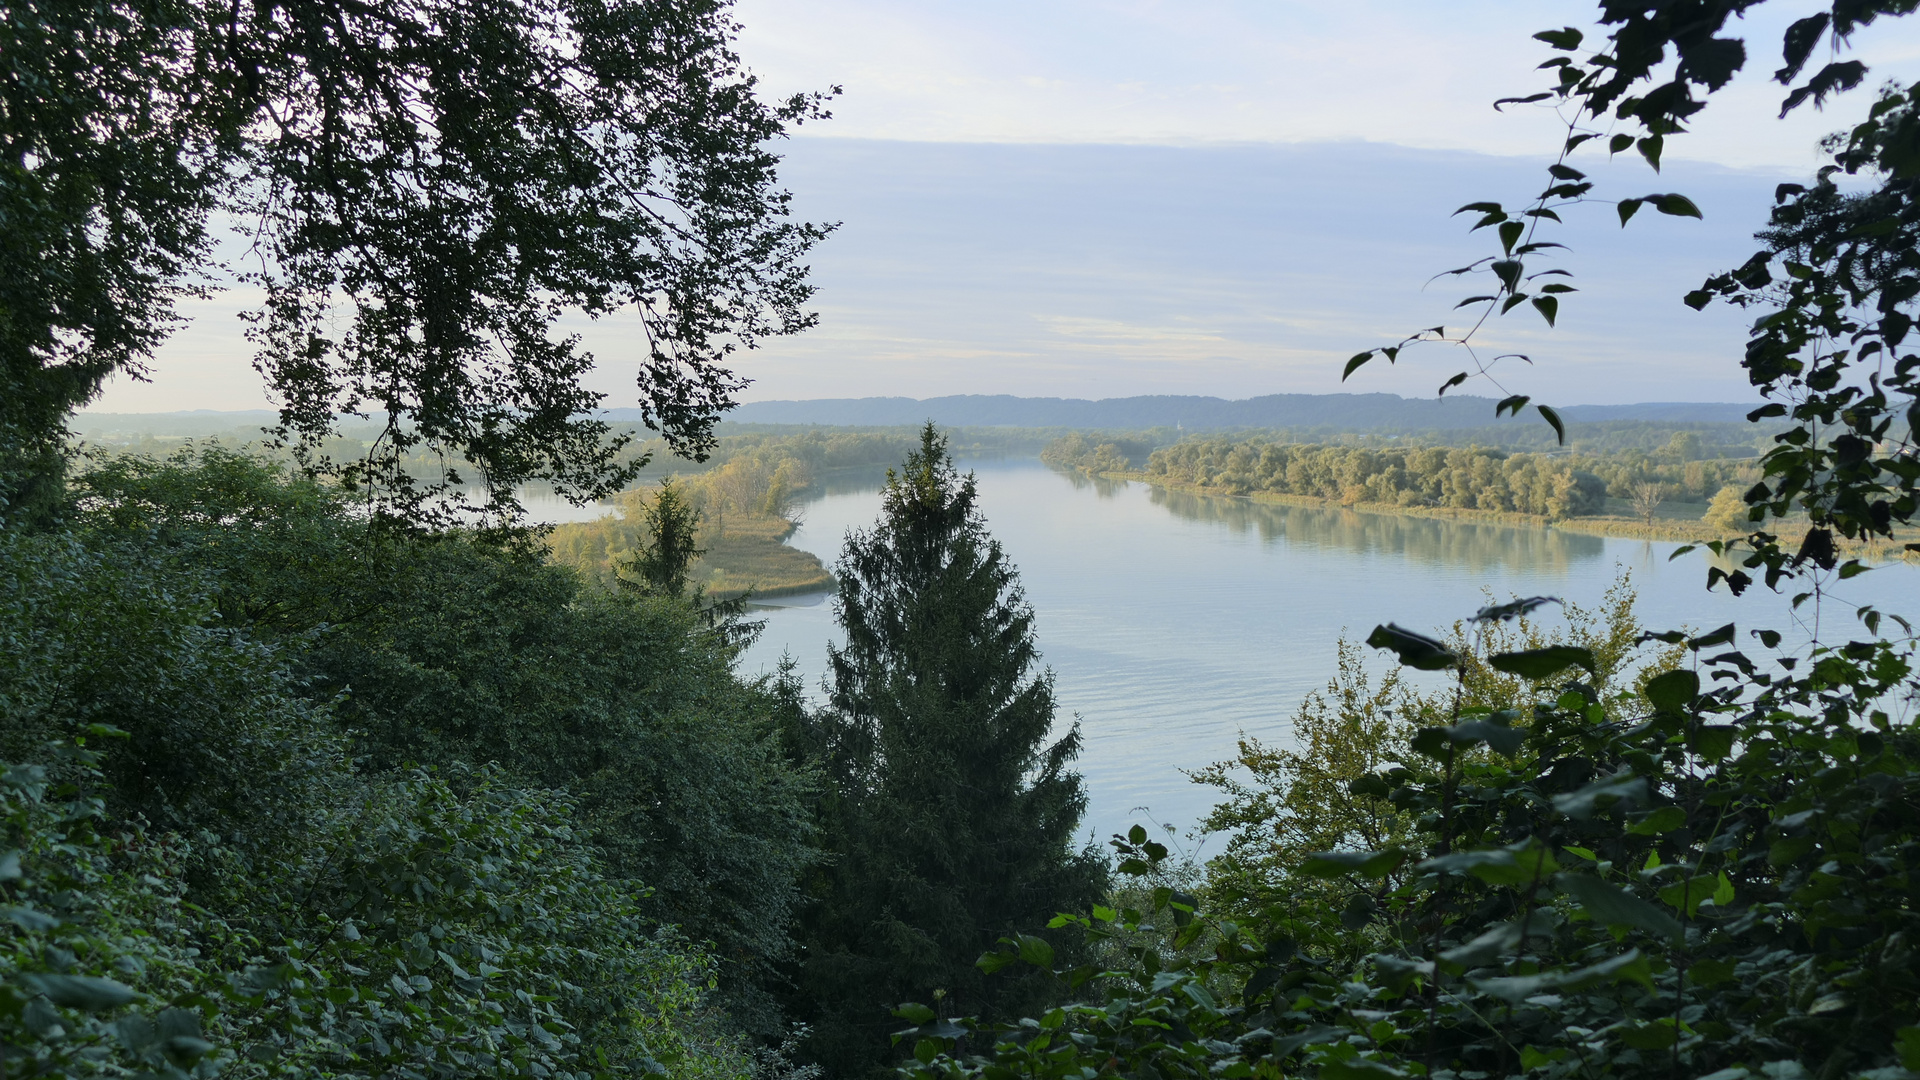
(1511, 404)
(1659, 822)
(1566, 40)
(1036, 951)
(991, 962)
(29, 919)
(1686, 896)
(1722, 636)
(1909, 1045)
(1513, 608)
(1553, 420)
(1627, 207)
(1619, 143)
(1366, 864)
(1613, 906)
(9, 865)
(1353, 365)
(1673, 691)
(83, 992)
(1414, 650)
(1723, 891)
(1359, 1069)
(1548, 307)
(1623, 786)
(1782, 852)
(1656, 1035)
(1650, 148)
(1713, 742)
(1710, 972)
(1520, 865)
(1675, 204)
(1537, 664)
(1502, 940)
(1501, 737)
(1630, 965)
(1453, 382)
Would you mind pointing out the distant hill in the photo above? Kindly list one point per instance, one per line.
(1352, 412)
(1326, 412)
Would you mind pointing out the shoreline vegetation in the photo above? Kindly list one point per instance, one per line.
(1670, 495)
(747, 496)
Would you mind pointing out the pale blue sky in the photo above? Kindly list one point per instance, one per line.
(1096, 198)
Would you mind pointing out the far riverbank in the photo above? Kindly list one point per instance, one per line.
(1686, 530)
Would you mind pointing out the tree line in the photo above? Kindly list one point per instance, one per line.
(1555, 486)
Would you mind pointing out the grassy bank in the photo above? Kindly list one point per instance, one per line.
(752, 555)
(742, 550)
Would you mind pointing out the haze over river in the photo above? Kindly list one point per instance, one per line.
(1174, 622)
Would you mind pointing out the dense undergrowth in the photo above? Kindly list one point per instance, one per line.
(295, 792)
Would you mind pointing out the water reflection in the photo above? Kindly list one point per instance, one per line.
(1459, 545)
(1174, 622)
(1100, 485)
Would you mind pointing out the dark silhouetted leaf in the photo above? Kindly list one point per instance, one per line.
(1414, 650)
(83, 992)
(1366, 864)
(1541, 663)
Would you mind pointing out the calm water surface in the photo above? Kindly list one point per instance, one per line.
(1174, 622)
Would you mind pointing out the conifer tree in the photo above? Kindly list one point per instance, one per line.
(955, 810)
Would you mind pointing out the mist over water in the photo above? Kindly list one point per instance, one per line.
(1173, 622)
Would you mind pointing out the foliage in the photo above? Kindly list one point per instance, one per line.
(105, 187)
(1466, 478)
(447, 930)
(1702, 879)
(953, 814)
(429, 932)
(661, 562)
(463, 648)
(1712, 876)
(1727, 514)
(98, 972)
(730, 521)
(424, 189)
(223, 889)
(1076, 451)
(1837, 282)
(219, 738)
(1285, 802)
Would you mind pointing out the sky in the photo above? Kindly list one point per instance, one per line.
(1096, 198)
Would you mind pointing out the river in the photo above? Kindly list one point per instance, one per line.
(1174, 622)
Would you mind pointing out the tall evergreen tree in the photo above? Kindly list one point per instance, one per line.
(955, 811)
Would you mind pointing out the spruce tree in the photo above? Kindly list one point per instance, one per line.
(954, 811)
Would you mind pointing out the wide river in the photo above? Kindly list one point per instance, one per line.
(1175, 622)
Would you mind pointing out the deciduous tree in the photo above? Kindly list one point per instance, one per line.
(422, 190)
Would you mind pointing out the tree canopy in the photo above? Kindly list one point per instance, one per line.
(954, 810)
(420, 192)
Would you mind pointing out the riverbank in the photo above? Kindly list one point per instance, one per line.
(740, 552)
(1668, 527)
(752, 556)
